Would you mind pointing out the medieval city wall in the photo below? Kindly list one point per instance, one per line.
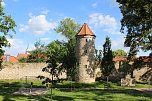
(22, 70)
(31, 70)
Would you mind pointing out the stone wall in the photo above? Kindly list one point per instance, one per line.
(85, 56)
(22, 70)
(143, 74)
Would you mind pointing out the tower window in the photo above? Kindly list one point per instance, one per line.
(86, 40)
(86, 51)
(86, 66)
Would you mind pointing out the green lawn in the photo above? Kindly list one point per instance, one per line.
(80, 92)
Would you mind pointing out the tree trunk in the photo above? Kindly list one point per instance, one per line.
(52, 88)
(107, 79)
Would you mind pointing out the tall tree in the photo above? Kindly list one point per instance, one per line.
(119, 52)
(69, 28)
(107, 64)
(7, 25)
(137, 22)
(55, 53)
(70, 59)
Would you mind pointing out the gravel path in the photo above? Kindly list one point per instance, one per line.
(146, 90)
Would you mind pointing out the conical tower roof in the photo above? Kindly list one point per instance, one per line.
(85, 31)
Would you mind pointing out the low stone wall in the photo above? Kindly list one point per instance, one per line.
(22, 70)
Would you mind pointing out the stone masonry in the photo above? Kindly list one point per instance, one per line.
(22, 70)
(85, 50)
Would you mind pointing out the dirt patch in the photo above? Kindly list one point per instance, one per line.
(28, 91)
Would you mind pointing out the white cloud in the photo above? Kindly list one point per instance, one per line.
(37, 25)
(116, 44)
(45, 40)
(3, 3)
(119, 44)
(106, 22)
(30, 14)
(17, 46)
(113, 3)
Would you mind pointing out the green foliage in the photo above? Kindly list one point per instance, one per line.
(63, 52)
(38, 54)
(68, 28)
(7, 25)
(107, 64)
(119, 52)
(126, 68)
(22, 60)
(70, 60)
(98, 58)
(137, 22)
(55, 52)
(98, 55)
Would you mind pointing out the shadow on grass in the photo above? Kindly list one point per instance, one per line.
(6, 90)
(130, 92)
(63, 98)
(71, 84)
(108, 94)
(80, 92)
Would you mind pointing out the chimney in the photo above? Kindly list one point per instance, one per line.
(7, 57)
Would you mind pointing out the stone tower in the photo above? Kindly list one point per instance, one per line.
(85, 51)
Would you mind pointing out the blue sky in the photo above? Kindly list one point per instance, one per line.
(36, 20)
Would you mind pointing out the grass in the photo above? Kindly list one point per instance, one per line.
(82, 92)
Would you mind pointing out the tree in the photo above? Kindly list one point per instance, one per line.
(69, 28)
(55, 52)
(69, 61)
(137, 22)
(107, 64)
(38, 54)
(119, 52)
(7, 25)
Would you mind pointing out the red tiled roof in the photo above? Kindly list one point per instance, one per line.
(145, 58)
(119, 58)
(85, 31)
(13, 59)
(22, 56)
(3, 58)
